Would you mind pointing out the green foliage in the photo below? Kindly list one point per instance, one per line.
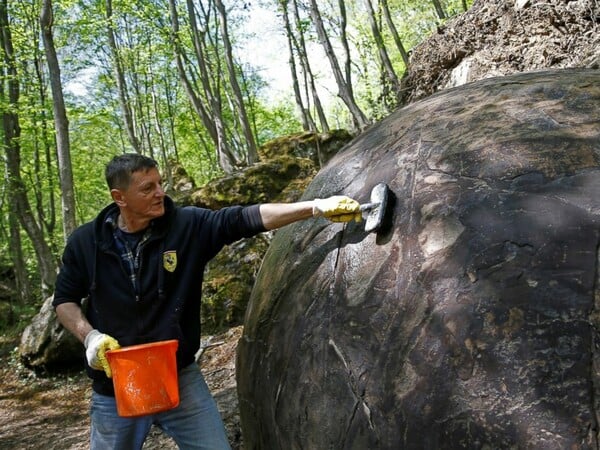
(278, 119)
(195, 151)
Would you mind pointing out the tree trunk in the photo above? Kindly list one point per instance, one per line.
(210, 114)
(389, 75)
(48, 219)
(120, 80)
(22, 285)
(252, 153)
(439, 9)
(170, 116)
(394, 32)
(12, 132)
(310, 79)
(345, 46)
(158, 128)
(307, 122)
(226, 156)
(344, 88)
(140, 108)
(61, 123)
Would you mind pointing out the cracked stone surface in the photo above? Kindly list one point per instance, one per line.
(470, 320)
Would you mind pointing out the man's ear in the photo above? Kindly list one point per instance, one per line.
(118, 197)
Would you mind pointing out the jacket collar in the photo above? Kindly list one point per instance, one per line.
(104, 229)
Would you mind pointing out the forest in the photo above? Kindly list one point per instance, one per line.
(184, 82)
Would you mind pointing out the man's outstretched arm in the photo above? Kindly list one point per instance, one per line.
(338, 208)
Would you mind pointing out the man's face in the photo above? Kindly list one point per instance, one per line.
(144, 198)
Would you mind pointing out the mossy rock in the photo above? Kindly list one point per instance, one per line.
(259, 183)
(228, 283)
(318, 147)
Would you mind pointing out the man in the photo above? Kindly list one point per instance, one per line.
(140, 265)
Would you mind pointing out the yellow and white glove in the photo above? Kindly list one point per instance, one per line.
(338, 208)
(96, 346)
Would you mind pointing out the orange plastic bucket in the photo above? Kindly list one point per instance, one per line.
(145, 378)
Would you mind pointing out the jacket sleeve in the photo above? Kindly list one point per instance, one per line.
(236, 222)
(252, 220)
(72, 282)
(215, 229)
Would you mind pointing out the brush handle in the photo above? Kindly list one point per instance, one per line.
(369, 206)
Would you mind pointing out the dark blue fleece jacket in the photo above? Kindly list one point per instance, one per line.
(170, 275)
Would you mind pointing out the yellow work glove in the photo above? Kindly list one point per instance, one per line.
(96, 346)
(338, 208)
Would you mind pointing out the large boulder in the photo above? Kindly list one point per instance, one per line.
(45, 344)
(470, 320)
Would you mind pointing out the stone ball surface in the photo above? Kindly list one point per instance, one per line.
(470, 320)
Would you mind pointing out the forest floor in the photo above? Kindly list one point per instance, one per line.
(51, 411)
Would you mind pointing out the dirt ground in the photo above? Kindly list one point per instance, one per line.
(51, 411)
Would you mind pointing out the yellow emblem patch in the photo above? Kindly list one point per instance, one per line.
(170, 260)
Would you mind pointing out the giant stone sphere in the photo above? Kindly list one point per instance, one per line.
(470, 320)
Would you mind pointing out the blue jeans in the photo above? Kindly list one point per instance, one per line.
(194, 424)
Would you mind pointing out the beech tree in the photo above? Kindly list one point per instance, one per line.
(308, 123)
(309, 77)
(33, 88)
(17, 189)
(389, 77)
(121, 82)
(240, 108)
(394, 31)
(196, 79)
(345, 89)
(305, 93)
(61, 123)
